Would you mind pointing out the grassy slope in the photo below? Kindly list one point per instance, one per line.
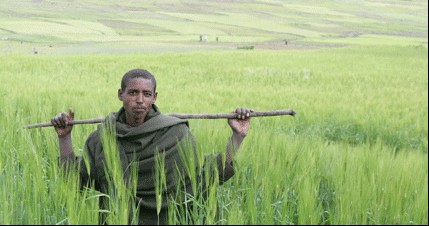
(100, 26)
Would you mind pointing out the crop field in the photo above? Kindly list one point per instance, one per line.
(355, 72)
(81, 27)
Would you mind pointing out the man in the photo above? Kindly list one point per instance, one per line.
(141, 133)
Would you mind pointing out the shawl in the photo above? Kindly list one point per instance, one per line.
(159, 133)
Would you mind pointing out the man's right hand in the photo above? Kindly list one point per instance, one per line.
(61, 123)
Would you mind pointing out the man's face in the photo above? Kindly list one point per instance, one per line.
(137, 99)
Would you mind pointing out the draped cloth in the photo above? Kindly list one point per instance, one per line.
(159, 134)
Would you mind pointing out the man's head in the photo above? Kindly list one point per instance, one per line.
(137, 93)
(137, 73)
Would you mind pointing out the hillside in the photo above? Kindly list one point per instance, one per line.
(96, 26)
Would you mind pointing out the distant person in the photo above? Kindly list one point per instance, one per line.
(141, 131)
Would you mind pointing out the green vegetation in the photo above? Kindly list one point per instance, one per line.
(246, 47)
(355, 153)
(73, 27)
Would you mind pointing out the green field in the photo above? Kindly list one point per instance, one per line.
(356, 73)
(80, 27)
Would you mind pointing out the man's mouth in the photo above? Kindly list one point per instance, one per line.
(139, 109)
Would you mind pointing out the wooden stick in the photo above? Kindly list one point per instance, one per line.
(178, 115)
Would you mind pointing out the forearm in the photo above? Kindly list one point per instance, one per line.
(233, 146)
(66, 147)
(69, 161)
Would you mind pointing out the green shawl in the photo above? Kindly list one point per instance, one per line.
(159, 133)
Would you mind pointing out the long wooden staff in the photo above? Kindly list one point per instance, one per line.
(182, 116)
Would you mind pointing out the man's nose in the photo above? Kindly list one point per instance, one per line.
(140, 98)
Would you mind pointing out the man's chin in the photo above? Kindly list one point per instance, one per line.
(139, 118)
(140, 113)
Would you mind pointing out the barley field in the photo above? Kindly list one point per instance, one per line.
(355, 152)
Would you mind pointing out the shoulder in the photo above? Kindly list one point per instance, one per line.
(172, 120)
(94, 135)
(173, 128)
(171, 123)
(161, 122)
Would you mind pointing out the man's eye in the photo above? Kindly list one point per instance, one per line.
(147, 94)
(133, 92)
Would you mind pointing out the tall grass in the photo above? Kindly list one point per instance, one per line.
(355, 153)
(121, 192)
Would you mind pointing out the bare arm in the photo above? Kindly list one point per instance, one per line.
(63, 129)
(240, 127)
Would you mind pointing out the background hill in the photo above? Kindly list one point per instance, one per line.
(96, 26)
(355, 71)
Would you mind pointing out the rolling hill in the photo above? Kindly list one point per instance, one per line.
(96, 26)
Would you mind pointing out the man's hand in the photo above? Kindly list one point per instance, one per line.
(61, 123)
(241, 125)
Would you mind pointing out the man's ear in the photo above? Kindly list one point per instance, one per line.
(120, 94)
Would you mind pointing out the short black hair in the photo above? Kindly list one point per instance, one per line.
(137, 73)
